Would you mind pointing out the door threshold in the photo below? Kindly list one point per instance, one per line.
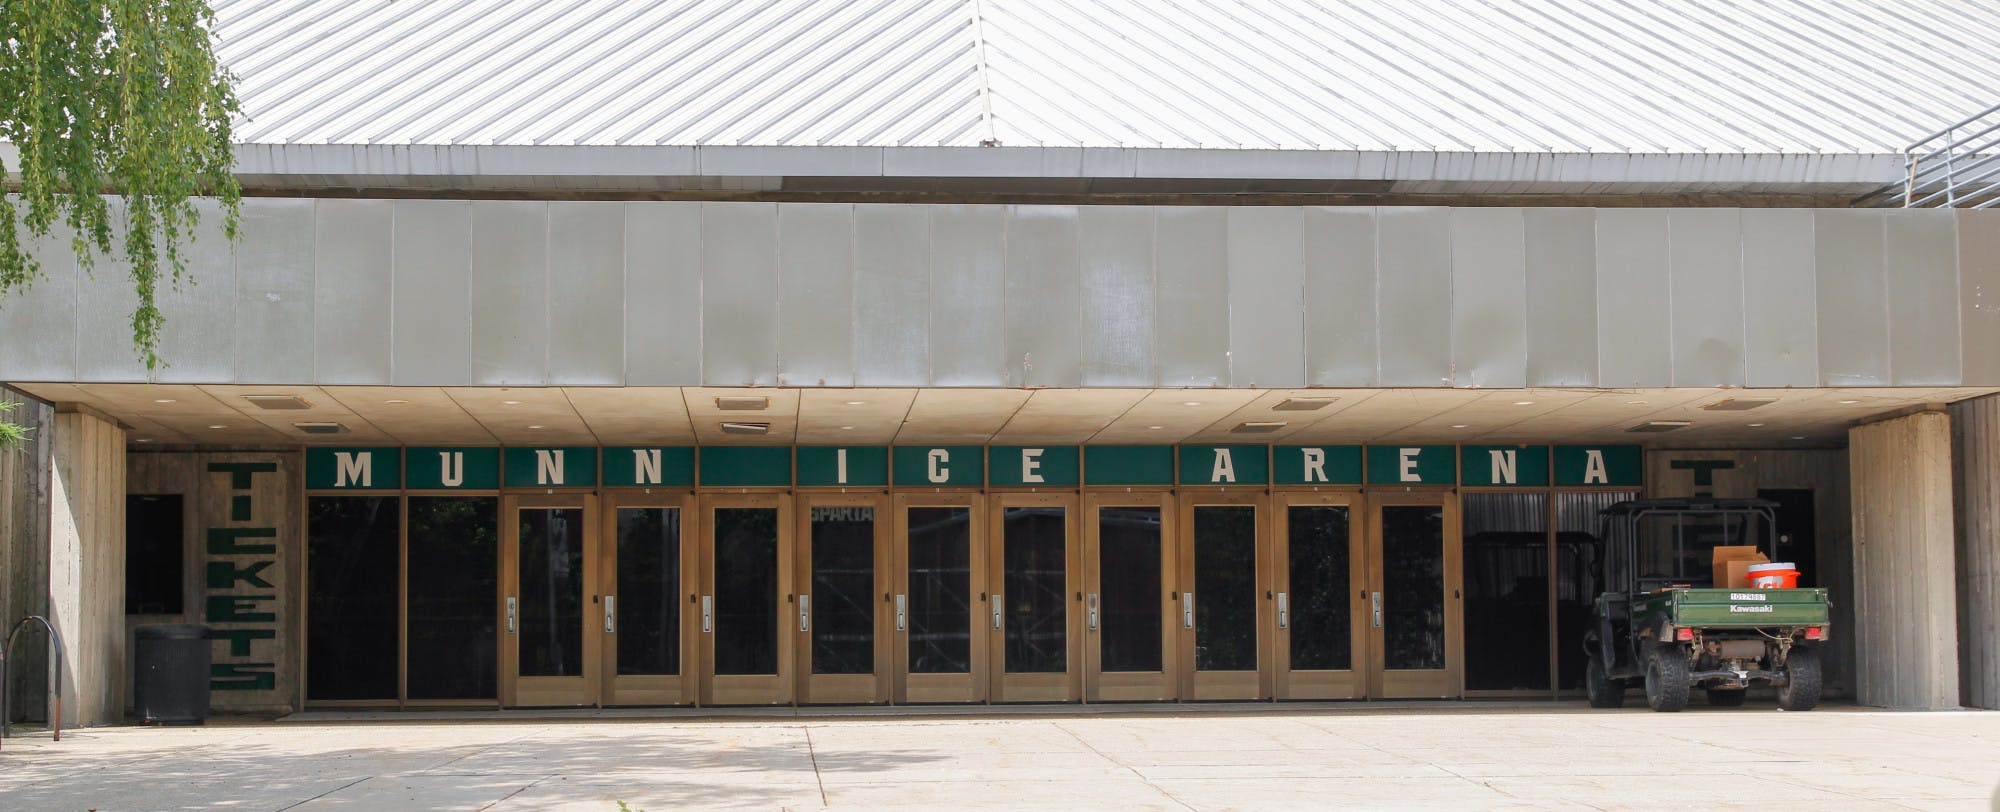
(935, 711)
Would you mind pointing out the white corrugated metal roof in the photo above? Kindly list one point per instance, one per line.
(1591, 76)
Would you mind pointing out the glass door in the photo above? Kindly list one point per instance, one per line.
(936, 608)
(1413, 600)
(741, 606)
(1128, 646)
(643, 560)
(1321, 601)
(1035, 632)
(549, 652)
(1222, 596)
(842, 606)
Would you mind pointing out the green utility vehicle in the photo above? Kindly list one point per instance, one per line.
(1661, 623)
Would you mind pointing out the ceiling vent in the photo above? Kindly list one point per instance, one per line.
(1738, 404)
(282, 402)
(1258, 427)
(746, 428)
(321, 428)
(1657, 426)
(1302, 404)
(743, 404)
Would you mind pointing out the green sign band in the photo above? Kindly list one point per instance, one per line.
(1009, 466)
(358, 469)
(1316, 465)
(843, 466)
(1128, 465)
(1503, 465)
(956, 466)
(649, 467)
(1412, 465)
(454, 469)
(1224, 465)
(551, 467)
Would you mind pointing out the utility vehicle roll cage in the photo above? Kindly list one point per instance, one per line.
(1620, 527)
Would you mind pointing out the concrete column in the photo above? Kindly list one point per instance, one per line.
(24, 552)
(87, 565)
(1905, 605)
(1976, 439)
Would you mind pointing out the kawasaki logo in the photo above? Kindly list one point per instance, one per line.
(1746, 596)
(1742, 609)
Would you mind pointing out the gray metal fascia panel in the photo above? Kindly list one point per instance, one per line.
(1118, 324)
(586, 293)
(353, 285)
(739, 285)
(1413, 296)
(431, 328)
(815, 294)
(1267, 297)
(510, 293)
(1634, 308)
(1921, 258)
(1044, 297)
(1561, 257)
(1339, 284)
(1705, 248)
(892, 296)
(105, 301)
(197, 340)
(1780, 314)
(982, 162)
(763, 161)
(1852, 295)
(663, 310)
(1979, 296)
(968, 291)
(41, 330)
(1489, 292)
(274, 292)
(1192, 267)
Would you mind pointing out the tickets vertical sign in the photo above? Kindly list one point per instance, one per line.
(242, 575)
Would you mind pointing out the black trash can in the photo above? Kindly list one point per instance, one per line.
(171, 665)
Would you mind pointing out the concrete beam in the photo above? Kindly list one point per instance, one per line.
(1905, 605)
(87, 566)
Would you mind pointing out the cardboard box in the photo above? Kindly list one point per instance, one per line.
(1732, 566)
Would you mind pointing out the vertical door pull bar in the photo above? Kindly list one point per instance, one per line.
(707, 614)
(610, 614)
(902, 613)
(1284, 612)
(513, 614)
(1378, 608)
(1092, 611)
(1187, 610)
(996, 612)
(805, 614)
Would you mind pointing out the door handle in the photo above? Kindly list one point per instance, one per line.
(902, 613)
(1187, 610)
(805, 614)
(1284, 611)
(1091, 611)
(996, 613)
(610, 614)
(513, 614)
(1377, 598)
(707, 614)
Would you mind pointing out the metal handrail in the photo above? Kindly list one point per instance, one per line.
(1951, 174)
(55, 642)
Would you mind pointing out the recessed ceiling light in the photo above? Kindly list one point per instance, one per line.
(165, 400)
(1156, 428)
(1524, 403)
(1843, 403)
(1635, 403)
(1458, 425)
(1798, 437)
(396, 400)
(510, 403)
(143, 440)
(846, 428)
(537, 427)
(1755, 425)
(1190, 403)
(857, 403)
(219, 426)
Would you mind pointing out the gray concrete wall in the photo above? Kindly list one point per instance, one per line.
(24, 552)
(87, 566)
(538, 293)
(1905, 603)
(1975, 428)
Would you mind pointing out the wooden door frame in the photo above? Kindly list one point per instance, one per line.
(1445, 683)
(744, 689)
(649, 689)
(1227, 685)
(1161, 686)
(908, 688)
(1353, 682)
(1036, 687)
(520, 691)
(848, 689)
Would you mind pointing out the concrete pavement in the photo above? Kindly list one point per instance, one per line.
(1457, 755)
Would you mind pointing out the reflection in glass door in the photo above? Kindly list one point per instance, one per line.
(1029, 596)
(1413, 600)
(839, 606)
(642, 619)
(936, 608)
(550, 657)
(1128, 569)
(1318, 578)
(1222, 594)
(741, 617)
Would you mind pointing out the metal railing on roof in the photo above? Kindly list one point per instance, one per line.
(1956, 167)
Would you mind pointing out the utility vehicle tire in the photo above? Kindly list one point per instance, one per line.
(1802, 685)
(1603, 691)
(1727, 697)
(1667, 686)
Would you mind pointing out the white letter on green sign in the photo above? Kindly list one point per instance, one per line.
(452, 465)
(1225, 468)
(1594, 472)
(354, 468)
(548, 467)
(646, 466)
(1504, 466)
(936, 470)
(840, 466)
(1031, 463)
(1315, 468)
(1408, 458)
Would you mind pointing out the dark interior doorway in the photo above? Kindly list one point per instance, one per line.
(1796, 536)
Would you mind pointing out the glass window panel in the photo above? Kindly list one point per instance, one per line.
(551, 614)
(746, 591)
(1322, 612)
(1128, 574)
(1579, 575)
(454, 552)
(155, 547)
(843, 590)
(1036, 579)
(940, 599)
(1506, 561)
(352, 578)
(1413, 586)
(1225, 588)
(649, 590)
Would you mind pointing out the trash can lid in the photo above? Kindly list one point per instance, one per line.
(172, 631)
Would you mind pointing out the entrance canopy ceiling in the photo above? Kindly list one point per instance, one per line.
(240, 415)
